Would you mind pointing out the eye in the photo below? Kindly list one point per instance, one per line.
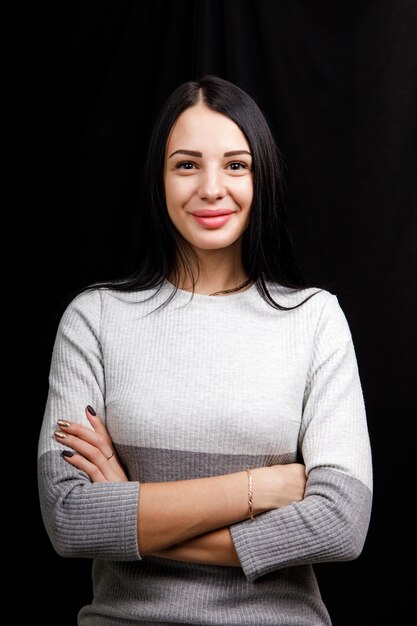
(185, 165)
(237, 166)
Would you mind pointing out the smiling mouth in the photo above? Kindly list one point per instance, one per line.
(212, 212)
(215, 218)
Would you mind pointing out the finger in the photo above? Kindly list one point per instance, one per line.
(96, 422)
(108, 471)
(108, 466)
(81, 463)
(89, 450)
(98, 440)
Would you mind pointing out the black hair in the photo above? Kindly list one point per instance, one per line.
(267, 250)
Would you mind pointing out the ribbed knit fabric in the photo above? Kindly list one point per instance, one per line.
(202, 387)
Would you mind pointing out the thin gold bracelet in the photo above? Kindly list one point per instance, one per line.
(250, 495)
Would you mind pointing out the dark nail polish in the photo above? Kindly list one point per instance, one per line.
(91, 410)
(67, 453)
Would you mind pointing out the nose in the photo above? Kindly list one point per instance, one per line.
(211, 185)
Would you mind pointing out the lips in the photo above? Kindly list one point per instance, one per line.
(212, 218)
(212, 212)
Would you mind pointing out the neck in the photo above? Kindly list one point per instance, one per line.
(217, 271)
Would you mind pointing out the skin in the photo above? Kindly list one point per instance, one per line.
(189, 520)
(210, 178)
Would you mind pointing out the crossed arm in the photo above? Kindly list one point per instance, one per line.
(185, 520)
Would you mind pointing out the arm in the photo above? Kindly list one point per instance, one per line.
(214, 548)
(331, 522)
(171, 513)
(82, 519)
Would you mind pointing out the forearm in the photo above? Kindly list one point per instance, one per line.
(174, 512)
(330, 524)
(213, 548)
(169, 513)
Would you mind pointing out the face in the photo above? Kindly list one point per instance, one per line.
(208, 179)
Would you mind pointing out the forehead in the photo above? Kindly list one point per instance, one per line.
(199, 127)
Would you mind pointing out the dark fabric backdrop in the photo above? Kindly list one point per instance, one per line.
(337, 82)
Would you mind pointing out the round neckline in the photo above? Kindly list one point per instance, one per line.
(201, 297)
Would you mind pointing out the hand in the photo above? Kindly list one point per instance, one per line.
(278, 486)
(95, 453)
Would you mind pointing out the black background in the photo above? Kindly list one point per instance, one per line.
(337, 82)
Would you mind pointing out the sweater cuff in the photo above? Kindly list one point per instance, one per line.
(84, 519)
(330, 524)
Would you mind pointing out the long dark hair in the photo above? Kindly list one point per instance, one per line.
(267, 250)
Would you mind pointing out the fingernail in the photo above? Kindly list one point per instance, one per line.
(63, 423)
(67, 453)
(91, 410)
(60, 434)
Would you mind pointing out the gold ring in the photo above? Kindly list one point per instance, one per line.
(109, 457)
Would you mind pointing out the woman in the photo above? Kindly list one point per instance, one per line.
(224, 448)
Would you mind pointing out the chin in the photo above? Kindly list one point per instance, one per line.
(213, 242)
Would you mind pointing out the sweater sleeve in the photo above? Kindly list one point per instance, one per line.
(331, 522)
(82, 519)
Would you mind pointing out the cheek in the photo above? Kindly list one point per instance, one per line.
(244, 194)
(177, 192)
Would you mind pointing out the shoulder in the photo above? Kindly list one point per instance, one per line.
(319, 309)
(86, 302)
(103, 306)
(96, 299)
(82, 312)
(309, 300)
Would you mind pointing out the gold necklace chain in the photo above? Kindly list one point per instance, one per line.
(218, 293)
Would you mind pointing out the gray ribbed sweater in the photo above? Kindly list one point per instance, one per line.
(204, 387)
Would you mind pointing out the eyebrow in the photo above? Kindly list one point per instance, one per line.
(236, 152)
(200, 154)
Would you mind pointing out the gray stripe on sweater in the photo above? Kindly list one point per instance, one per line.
(162, 465)
(330, 524)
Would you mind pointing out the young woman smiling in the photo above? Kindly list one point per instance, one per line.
(210, 405)
(208, 182)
